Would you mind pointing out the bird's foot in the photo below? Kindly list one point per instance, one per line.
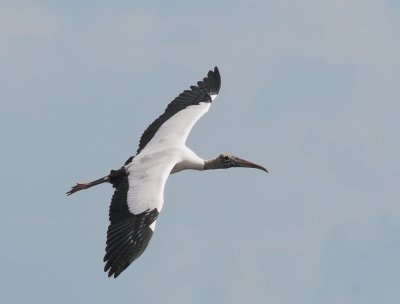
(78, 187)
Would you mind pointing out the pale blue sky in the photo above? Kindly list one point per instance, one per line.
(309, 90)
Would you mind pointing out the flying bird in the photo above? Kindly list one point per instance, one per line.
(139, 183)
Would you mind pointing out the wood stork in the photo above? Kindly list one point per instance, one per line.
(139, 184)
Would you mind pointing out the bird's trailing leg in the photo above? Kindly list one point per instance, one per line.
(113, 178)
(82, 186)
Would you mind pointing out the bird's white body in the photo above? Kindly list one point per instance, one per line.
(164, 154)
(149, 172)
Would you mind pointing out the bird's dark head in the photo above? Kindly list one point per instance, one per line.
(227, 160)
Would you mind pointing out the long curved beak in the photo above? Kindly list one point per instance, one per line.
(247, 164)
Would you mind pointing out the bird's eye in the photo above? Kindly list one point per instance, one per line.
(226, 158)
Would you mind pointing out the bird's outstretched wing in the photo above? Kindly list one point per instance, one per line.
(174, 125)
(128, 234)
(134, 208)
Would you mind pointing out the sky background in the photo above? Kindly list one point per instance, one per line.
(310, 90)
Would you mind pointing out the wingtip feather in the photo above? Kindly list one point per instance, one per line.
(214, 80)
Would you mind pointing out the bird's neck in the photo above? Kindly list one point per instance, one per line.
(189, 161)
(214, 163)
